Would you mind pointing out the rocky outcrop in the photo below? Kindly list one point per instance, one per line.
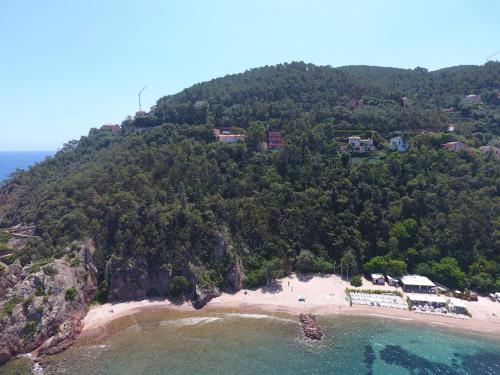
(136, 279)
(43, 306)
(203, 295)
(310, 327)
(9, 277)
(223, 247)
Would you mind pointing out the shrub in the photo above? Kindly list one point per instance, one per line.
(50, 270)
(178, 285)
(75, 262)
(10, 304)
(356, 281)
(102, 294)
(30, 329)
(70, 294)
(305, 262)
(255, 279)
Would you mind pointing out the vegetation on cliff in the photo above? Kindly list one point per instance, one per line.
(163, 190)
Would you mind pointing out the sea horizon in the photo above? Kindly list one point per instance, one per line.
(10, 161)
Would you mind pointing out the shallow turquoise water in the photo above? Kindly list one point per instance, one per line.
(227, 343)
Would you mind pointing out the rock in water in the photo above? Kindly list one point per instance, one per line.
(310, 327)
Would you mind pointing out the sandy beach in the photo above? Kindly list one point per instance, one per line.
(324, 295)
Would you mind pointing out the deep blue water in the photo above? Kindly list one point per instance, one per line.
(12, 160)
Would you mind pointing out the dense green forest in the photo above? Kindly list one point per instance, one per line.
(163, 188)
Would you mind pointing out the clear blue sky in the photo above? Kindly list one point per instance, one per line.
(67, 66)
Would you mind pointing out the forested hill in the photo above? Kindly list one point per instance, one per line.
(320, 94)
(169, 208)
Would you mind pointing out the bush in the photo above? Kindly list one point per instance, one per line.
(102, 294)
(30, 329)
(178, 285)
(50, 270)
(70, 294)
(305, 262)
(255, 279)
(10, 304)
(75, 262)
(356, 281)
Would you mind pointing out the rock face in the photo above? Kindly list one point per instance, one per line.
(203, 295)
(223, 247)
(136, 279)
(310, 327)
(42, 307)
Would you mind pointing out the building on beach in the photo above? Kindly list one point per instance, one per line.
(417, 284)
(378, 279)
(397, 143)
(392, 281)
(360, 145)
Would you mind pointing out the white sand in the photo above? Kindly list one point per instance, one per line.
(324, 296)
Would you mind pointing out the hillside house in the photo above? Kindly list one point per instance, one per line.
(398, 143)
(360, 145)
(356, 103)
(274, 140)
(115, 129)
(472, 99)
(494, 150)
(405, 101)
(228, 137)
(455, 146)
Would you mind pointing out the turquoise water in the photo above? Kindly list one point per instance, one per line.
(12, 160)
(227, 343)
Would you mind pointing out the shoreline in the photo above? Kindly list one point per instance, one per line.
(325, 296)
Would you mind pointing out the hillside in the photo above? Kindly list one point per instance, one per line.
(172, 212)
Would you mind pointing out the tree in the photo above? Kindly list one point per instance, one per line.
(356, 281)
(348, 262)
(178, 285)
(305, 261)
(448, 273)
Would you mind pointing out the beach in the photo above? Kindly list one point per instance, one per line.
(324, 295)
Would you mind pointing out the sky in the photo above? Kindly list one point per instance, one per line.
(68, 66)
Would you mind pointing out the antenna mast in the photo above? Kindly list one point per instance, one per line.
(139, 95)
(491, 57)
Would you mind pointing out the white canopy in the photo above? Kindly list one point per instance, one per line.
(417, 280)
(428, 298)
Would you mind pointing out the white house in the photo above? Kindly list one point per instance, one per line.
(472, 99)
(361, 145)
(397, 143)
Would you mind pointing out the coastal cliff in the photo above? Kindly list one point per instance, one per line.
(42, 304)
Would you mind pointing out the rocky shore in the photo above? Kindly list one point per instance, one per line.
(310, 327)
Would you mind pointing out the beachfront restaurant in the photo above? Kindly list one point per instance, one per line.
(417, 284)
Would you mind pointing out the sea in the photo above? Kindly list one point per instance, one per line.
(12, 160)
(227, 342)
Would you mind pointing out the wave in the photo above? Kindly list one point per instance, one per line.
(258, 316)
(190, 321)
